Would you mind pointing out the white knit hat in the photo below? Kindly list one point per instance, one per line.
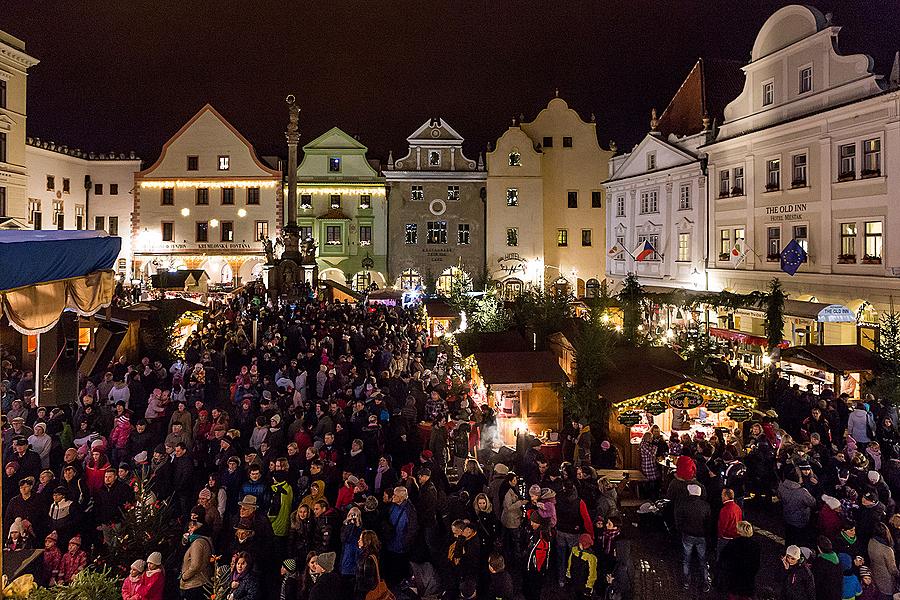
(831, 502)
(694, 489)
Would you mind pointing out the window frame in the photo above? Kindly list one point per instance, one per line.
(515, 158)
(332, 205)
(587, 241)
(847, 241)
(436, 233)
(261, 235)
(332, 161)
(649, 202)
(110, 229)
(254, 196)
(224, 162)
(562, 238)
(596, 199)
(411, 234)
(193, 163)
(685, 202)
(842, 174)
(201, 197)
(795, 181)
(773, 185)
(620, 205)
(724, 182)
(306, 201)
(67, 185)
(463, 234)
(801, 71)
(724, 242)
(163, 225)
(802, 241)
(332, 240)
(417, 193)
(512, 237)
(98, 189)
(865, 170)
(512, 196)
(101, 221)
(432, 153)
(767, 98)
(204, 227)
(571, 198)
(547, 142)
(114, 189)
(568, 141)
(453, 193)
(51, 183)
(684, 247)
(878, 240)
(227, 196)
(773, 253)
(167, 197)
(365, 201)
(737, 190)
(365, 240)
(651, 161)
(223, 226)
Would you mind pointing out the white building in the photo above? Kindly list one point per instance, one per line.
(206, 203)
(809, 151)
(14, 64)
(657, 192)
(71, 189)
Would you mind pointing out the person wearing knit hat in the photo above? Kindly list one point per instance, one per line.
(321, 569)
(154, 560)
(131, 586)
(290, 579)
(289, 565)
(154, 579)
(581, 567)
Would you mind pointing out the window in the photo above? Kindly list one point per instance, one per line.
(253, 196)
(773, 174)
(620, 242)
(2, 93)
(437, 232)
(34, 207)
(98, 189)
(724, 244)
(2, 147)
(262, 231)
(548, 141)
(365, 201)
(684, 197)
(79, 217)
(224, 162)
(99, 223)
(202, 231)
(335, 201)
(434, 158)
(596, 197)
(3, 205)
(333, 235)
(724, 183)
(168, 231)
(684, 247)
(412, 233)
(410, 279)
(305, 232)
(651, 161)
(799, 170)
(738, 234)
(67, 185)
(768, 95)
(452, 192)
(334, 164)
(365, 235)
(228, 196)
(59, 218)
(462, 234)
(193, 163)
(654, 241)
(512, 197)
(515, 159)
(227, 231)
(801, 235)
(620, 206)
(848, 241)
(562, 237)
(168, 197)
(305, 200)
(113, 226)
(848, 161)
(773, 242)
(586, 235)
(512, 236)
(202, 196)
(51, 182)
(417, 193)
(805, 80)
(572, 199)
(873, 240)
(567, 142)
(871, 164)
(738, 188)
(362, 281)
(649, 202)
(114, 189)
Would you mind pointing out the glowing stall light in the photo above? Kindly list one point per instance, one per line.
(670, 333)
(619, 328)
(766, 359)
(605, 318)
(463, 323)
(209, 183)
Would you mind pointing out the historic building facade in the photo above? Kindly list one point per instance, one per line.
(436, 210)
(809, 151)
(207, 203)
(72, 189)
(341, 204)
(545, 204)
(658, 192)
(14, 65)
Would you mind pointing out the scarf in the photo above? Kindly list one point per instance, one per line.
(830, 557)
(850, 540)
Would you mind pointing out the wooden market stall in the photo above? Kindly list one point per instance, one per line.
(440, 319)
(843, 368)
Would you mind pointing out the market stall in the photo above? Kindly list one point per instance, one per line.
(842, 368)
(440, 319)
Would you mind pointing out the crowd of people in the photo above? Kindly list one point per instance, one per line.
(303, 464)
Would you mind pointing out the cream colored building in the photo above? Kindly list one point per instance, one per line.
(14, 64)
(809, 151)
(207, 203)
(546, 205)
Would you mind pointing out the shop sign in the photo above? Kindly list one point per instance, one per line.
(786, 212)
(739, 414)
(657, 407)
(511, 264)
(636, 433)
(716, 405)
(836, 313)
(685, 399)
(629, 418)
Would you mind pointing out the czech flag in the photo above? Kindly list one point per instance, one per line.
(643, 251)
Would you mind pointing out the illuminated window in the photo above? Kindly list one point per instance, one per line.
(654, 241)
(462, 234)
(334, 164)
(365, 235)
(416, 193)
(801, 235)
(228, 195)
(434, 158)
(168, 231)
(252, 195)
(515, 159)
(437, 232)
(512, 197)
(848, 161)
(58, 217)
(773, 241)
(773, 174)
(262, 231)
(168, 197)
(224, 163)
(365, 201)
(873, 240)
(586, 235)
(848, 240)
(79, 217)
(562, 237)
(410, 279)
(725, 242)
(452, 192)
(871, 157)
(512, 236)
(412, 233)
(227, 228)
(202, 231)
(34, 207)
(193, 163)
(684, 247)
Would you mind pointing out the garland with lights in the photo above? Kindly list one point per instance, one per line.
(708, 393)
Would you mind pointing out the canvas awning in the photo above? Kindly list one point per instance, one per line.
(743, 338)
(42, 273)
(836, 358)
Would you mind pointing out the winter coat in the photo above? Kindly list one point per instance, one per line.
(327, 587)
(326, 531)
(133, 588)
(403, 523)
(350, 548)
(826, 570)
(247, 589)
(858, 424)
(798, 584)
(883, 565)
(739, 564)
(796, 503)
(511, 517)
(692, 516)
(195, 565)
(154, 584)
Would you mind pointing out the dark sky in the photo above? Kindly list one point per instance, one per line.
(126, 75)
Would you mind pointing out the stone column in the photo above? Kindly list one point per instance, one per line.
(291, 231)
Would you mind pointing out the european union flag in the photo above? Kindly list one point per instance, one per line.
(792, 257)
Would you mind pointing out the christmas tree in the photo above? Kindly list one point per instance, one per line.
(886, 385)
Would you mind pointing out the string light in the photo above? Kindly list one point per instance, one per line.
(709, 393)
(242, 212)
(185, 212)
(370, 189)
(209, 183)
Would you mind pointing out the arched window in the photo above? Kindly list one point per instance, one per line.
(227, 274)
(445, 281)
(560, 287)
(593, 288)
(362, 281)
(410, 279)
(515, 159)
(512, 288)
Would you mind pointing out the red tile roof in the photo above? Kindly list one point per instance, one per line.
(707, 89)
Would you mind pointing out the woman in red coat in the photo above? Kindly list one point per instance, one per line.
(830, 519)
(154, 578)
(94, 469)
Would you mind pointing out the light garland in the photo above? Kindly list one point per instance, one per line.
(708, 393)
(209, 183)
(370, 189)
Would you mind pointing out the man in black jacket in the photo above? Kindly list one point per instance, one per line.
(826, 571)
(111, 498)
(692, 521)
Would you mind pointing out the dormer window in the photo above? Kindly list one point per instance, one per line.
(334, 164)
(768, 94)
(434, 158)
(651, 161)
(515, 159)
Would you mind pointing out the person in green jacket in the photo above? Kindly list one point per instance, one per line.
(582, 567)
(282, 498)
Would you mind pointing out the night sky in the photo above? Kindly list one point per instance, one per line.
(126, 75)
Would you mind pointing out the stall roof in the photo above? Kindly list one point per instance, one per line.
(838, 358)
(509, 341)
(42, 256)
(519, 367)
(438, 309)
(180, 305)
(176, 280)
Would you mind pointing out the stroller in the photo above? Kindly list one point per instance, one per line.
(656, 515)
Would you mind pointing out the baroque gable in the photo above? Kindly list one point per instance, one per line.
(666, 156)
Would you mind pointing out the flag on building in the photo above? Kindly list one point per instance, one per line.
(738, 252)
(643, 251)
(792, 257)
(615, 250)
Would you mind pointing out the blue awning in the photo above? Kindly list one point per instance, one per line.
(32, 257)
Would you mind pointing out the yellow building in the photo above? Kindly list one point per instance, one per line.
(14, 64)
(546, 205)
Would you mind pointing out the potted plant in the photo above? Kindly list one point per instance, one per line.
(871, 260)
(723, 194)
(737, 191)
(724, 256)
(846, 176)
(772, 187)
(870, 173)
(798, 183)
(773, 257)
(846, 259)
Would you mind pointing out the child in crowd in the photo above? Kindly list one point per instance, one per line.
(582, 567)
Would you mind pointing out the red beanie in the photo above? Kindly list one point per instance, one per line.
(685, 468)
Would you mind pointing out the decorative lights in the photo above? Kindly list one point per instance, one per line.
(242, 212)
(370, 189)
(209, 183)
(185, 212)
(709, 393)
(214, 223)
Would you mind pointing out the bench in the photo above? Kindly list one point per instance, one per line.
(624, 479)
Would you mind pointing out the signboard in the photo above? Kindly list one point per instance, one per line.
(629, 418)
(685, 399)
(786, 212)
(511, 264)
(836, 313)
(716, 405)
(636, 433)
(657, 407)
(739, 414)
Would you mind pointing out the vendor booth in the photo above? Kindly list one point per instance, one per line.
(842, 368)
(440, 319)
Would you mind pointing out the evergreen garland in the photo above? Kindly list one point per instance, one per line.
(775, 314)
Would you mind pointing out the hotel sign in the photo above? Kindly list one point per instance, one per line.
(204, 246)
(786, 212)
